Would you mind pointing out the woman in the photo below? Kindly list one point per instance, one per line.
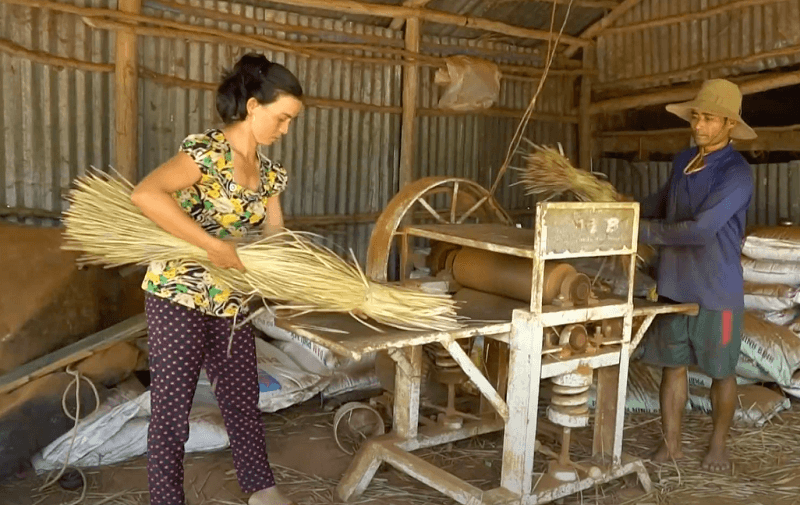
(217, 187)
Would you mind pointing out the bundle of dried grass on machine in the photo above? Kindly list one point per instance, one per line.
(288, 267)
(549, 174)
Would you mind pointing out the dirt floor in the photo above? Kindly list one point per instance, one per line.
(308, 465)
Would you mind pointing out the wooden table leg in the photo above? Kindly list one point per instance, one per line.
(406, 391)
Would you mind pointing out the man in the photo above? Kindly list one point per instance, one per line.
(698, 219)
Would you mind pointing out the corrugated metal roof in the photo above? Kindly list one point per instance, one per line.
(523, 13)
(722, 43)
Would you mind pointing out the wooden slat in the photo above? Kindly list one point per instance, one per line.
(126, 330)
(781, 138)
(680, 93)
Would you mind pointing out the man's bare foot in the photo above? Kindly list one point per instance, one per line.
(717, 460)
(665, 454)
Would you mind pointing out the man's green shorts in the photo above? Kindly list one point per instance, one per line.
(710, 340)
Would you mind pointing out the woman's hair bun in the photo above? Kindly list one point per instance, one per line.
(253, 76)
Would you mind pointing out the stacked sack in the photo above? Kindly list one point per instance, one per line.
(770, 343)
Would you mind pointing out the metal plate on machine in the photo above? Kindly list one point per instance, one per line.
(588, 229)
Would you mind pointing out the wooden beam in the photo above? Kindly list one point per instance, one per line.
(770, 139)
(126, 96)
(335, 36)
(598, 27)
(585, 115)
(677, 94)
(445, 18)
(53, 60)
(398, 23)
(327, 103)
(322, 221)
(115, 20)
(698, 70)
(589, 4)
(692, 16)
(410, 87)
(126, 330)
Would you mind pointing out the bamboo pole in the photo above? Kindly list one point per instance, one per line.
(445, 18)
(372, 40)
(756, 85)
(597, 28)
(205, 34)
(397, 23)
(292, 222)
(585, 125)
(410, 86)
(126, 96)
(43, 58)
(699, 69)
(693, 16)
(169, 80)
(770, 139)
(589, 4)
(116, 20)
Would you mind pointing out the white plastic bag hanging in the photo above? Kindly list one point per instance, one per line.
(472, 83)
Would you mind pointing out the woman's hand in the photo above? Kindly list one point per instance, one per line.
(223, 255)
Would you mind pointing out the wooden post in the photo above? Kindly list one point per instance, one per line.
(410, 85)
(398, 23)
(585, 118)
(126, 92)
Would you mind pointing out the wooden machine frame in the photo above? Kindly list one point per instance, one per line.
(563, 230)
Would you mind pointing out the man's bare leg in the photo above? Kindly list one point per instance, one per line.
(723, 405)
(673, 397)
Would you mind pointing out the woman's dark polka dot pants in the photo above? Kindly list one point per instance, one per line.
(181, 341)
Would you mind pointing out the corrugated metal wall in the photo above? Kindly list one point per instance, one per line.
(54, 123)
(342, 161)
(774, 199)
(720, 45)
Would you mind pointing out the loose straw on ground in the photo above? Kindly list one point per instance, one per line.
(288, 267)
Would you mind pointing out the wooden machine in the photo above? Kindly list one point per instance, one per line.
(566, 335)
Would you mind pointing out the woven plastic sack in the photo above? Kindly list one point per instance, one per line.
(266, 324)
(785, 317)
(770, 271)
(780, 243)
(770, 297)
(471, 83)
(775, 349)
(758, 404)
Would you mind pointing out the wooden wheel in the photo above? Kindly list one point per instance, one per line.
(443, 200)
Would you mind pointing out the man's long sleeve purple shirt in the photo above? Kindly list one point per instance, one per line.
(699, 220)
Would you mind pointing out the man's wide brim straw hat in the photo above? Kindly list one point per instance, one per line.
(719, 97)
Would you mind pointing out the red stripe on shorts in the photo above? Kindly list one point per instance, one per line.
(727, 326)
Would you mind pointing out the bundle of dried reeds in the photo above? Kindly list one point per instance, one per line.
(548, 173)
(287, 267)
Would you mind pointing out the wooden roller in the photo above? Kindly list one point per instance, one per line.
(510, 276)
